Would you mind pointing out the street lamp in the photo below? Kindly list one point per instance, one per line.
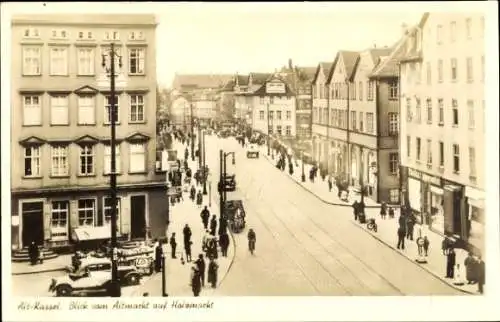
(115, 289)
(222, 177)
(192, 133)
(205, 174)
(268, 137)
(209, 190)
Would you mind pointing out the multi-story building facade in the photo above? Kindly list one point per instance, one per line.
(273, 108)
(319, 131)
(442, 130)
(242, 102)
(61, 129)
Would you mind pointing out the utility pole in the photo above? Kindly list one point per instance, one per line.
(221, 183)
(115, 289)
(205, 172)
(199, 148)
(268, 132)
(192, 133)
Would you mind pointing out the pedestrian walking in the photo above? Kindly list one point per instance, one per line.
(199, 199)
(205, 216)
(213, 225)
(410, 224)
(391, 213)
(187, 249)
(444, 246)
(186, 154)
(426, 245)
(213, 269)
(481, 274)
(158, 255)
(200, 264)
(195, 281)
(224, 244)
(355, 206)
(186, 232)
(450, 263)
(383, 210)
(401, 238)
(470, 269)
(173, 245)
(192, 193)
(330, 184)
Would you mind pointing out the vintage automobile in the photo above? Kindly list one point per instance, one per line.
(252, 151)
(235, 215)
(230, 182)
(93, 275)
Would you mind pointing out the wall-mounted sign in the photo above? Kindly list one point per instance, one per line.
(424, 177)
(275, 88)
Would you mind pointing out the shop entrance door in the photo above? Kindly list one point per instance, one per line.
(32, 223)
(138, 216)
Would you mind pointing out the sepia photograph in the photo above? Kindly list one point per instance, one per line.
(228, 150)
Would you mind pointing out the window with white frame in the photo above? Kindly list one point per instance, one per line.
(278, 129)
(87, 157)
(86, 212)
(59, 160)
(105, 50)
(288, 115)
(278, 115)
(453, 31)
(59, 110)
(261, 115)
(456, 158)
(32, 161)
(88, 35)
(111, 35)
(369, 122)
(471, 112)
(288, 130)
(86, 110)
(419, 148)
(429, 111)
(32, 60)
(439, 34)
(393, 90)
(106, 209)
(472, 162)
(107, 159)
(409, 115)
(60, 214)
(262, 101)
(136, 35)
(108, 109)
(270, 129)
(59, 61)
(136, 108)
(394, 195)
(429, 153)
(32, 110)
(271, 115)
(59, 34)
(393, 123)
(441, 111)
(136, 61)
(454, 71)
(360, 91)
(468, 28)
(354, 122)
(440, 70)
(429, 73)
(361, 121)
(408, 146)
(441, 154)
(418, 110)
(454, 106)
(31, 33)
(370, 91)
(86, 61)
(470, 71)
(393, 163)
(352, 87)
(137, 157)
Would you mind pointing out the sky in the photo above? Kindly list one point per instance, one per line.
(229, 38)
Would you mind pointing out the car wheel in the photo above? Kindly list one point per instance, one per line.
(63, 290)
(133, 279)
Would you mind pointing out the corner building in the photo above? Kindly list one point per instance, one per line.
(61, 130)
(442, 130)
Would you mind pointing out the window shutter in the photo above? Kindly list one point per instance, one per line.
(125, 215)
(73, 214)
(47, 216)
(142, 54)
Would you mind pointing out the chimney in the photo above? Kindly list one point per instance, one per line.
(290, 65)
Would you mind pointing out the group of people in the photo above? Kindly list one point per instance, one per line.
(406, 225)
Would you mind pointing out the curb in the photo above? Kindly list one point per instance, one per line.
(41, 271)
(409, 259)
(323, 200)
(232, 258)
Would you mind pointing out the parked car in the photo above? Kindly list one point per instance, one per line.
(230, 182)
(93, 274)
(252, 151)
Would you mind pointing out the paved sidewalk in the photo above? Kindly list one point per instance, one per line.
(387, 230)
(50, 265)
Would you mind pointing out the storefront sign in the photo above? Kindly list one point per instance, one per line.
(275, 88)
(424, 177)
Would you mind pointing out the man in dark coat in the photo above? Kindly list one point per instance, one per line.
(192, 193)
(355, 209)
(199, 198)
(213, 225)
(205, 217)
(33, 253)
(195, 281)
(186, 232)
(173, 245)
(224, 243)
(470, 268)
(158, 255)
(186, 154)
(450, 264)
(410, 223)
(481, 274)
(187, 248)
(200, 263)
(401, 238)
(330, 184)
(213, 269)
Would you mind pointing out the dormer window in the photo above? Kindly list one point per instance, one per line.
(136, 35)
(31, 33)
(59, 34)
(85, 35)
(111, 35)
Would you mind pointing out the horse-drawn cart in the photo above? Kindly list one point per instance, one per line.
(235, 215)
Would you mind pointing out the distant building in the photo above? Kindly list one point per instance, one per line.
(442, 125)
(61, 129)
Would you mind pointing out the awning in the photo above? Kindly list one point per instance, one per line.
(436, 190)
(91, 233)
(474, 193)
